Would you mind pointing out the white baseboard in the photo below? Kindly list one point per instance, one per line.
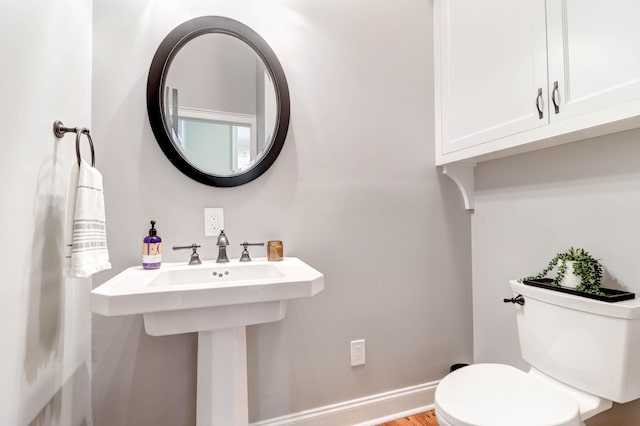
(366, 411)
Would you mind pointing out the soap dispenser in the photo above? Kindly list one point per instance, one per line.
(152, 249)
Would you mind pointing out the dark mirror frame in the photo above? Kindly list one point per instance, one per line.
(168, 49)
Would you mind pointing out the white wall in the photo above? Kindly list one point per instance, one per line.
(354, 192)
(45, 48)
(531, 206)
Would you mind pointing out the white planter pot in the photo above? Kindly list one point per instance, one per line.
(570, 279)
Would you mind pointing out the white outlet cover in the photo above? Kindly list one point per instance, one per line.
(358, 352)
(213, 221)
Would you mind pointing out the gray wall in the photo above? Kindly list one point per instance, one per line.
(531, 206)
(215, 72)
(354, 193)
(45, 319)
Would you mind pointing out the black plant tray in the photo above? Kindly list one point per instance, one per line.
(610, 295)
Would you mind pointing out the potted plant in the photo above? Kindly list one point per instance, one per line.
(576, 268)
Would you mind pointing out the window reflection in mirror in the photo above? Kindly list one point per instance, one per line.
(225, 145)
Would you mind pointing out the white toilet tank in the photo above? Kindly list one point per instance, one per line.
(591, 345)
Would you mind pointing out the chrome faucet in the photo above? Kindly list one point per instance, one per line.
(222, 244)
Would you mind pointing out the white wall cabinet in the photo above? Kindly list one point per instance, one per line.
(517, 76)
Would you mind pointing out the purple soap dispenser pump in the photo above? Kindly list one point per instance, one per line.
(152, 249)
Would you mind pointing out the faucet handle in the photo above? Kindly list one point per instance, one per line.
(245, 252)
(195, 258)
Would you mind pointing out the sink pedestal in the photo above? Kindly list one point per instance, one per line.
(221, 394)
(222, 397)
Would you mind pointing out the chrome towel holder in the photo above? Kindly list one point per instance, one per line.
(59, 130)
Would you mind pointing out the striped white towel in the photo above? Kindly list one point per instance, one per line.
(86, 238)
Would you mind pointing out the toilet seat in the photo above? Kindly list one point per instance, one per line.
(501, 395)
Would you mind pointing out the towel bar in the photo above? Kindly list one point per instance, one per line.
(59, 130)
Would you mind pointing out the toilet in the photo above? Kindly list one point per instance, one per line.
(584, 354)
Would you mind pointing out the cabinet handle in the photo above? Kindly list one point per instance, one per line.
(556, 91)
(539, 104)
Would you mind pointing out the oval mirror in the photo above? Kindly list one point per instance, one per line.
(218, 101)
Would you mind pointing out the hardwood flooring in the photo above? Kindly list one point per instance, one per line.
(422, 419)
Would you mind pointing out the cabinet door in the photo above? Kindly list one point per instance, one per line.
(490, 67)
(594, 54)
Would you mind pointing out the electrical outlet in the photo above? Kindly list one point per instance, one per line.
(357, 352)
(213, 221)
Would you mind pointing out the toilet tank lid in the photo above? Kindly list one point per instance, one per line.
(501, 395)
(627, 309)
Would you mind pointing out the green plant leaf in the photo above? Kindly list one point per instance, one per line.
(585, 266)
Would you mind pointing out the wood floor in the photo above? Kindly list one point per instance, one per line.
(422, 419)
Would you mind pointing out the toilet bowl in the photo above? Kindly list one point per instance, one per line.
(579, 350)
(501, 395)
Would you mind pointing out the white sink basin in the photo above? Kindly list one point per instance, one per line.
(218, 275)
(181, 298)
(217, 300)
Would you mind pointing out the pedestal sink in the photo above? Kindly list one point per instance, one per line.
(217, 301)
